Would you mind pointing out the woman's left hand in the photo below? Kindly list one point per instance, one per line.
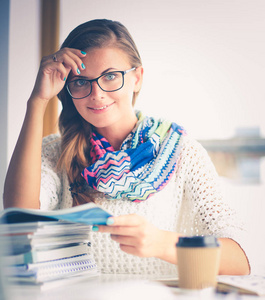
(139, 237)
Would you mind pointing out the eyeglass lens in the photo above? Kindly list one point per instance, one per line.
(81, 88)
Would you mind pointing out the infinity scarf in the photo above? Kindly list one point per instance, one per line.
(144, 165)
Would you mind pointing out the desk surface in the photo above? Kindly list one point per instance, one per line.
(117, 287)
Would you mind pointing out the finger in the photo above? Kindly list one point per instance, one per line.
(64, 71)
(59, 69)
(125, 220)
(68, 62)
(77, 52)
(71, 58)
(70, 52)
(129, 249)
(117, 230)
(123, 239)
(128, 245)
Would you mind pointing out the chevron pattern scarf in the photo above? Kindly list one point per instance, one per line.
(144, 165)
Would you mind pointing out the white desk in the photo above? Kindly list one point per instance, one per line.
(115, 287)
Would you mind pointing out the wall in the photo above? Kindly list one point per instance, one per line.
(23, 62)
(204, 60)
(4, 33)
(19, 66)
(4, 48)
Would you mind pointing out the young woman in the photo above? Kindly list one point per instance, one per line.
(157, 181)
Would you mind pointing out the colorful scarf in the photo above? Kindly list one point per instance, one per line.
(144, 165)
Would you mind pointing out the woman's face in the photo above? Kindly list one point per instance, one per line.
(102, 109)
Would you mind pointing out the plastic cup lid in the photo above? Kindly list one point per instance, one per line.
(198, 241)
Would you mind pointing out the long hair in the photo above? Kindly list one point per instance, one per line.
(75, 131)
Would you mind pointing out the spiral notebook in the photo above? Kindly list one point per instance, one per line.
(34, 256)
(48, 271)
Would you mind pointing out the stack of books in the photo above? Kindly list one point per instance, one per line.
(44, 247)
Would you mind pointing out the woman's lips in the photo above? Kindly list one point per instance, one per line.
(100, 109)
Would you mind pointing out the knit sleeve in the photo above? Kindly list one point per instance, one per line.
(204, 211)
(50, 193)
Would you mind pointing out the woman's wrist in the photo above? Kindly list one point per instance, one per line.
(36, 105)
(167, 246)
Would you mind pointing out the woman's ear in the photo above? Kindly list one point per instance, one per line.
(139, 78)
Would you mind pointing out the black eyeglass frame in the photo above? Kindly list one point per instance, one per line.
(96, 79)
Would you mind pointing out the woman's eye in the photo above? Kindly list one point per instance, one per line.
(110, 76)
(80, 83)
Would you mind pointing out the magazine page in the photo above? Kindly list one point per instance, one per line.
(248, 284)
(90, 214)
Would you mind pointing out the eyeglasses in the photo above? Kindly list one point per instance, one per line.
(109, 82)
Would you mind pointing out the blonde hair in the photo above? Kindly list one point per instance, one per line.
(75, 131)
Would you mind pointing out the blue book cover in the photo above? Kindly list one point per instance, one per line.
(89, 214)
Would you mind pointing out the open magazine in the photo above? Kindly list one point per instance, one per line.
(247, 284)
(89, 214)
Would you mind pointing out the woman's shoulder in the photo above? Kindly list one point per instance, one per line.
(194, 157)
(192, 151)
(189, 143)
(51, 145)
(56, 137)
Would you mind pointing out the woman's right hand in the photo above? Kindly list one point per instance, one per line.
(54, 70)
(25, 165)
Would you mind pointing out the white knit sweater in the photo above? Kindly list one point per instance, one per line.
(190, 204)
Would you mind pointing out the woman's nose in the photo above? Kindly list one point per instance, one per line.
(96, 91)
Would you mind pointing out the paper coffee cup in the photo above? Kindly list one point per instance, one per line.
(198, 261)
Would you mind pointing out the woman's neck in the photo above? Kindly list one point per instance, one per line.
(116, 134)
